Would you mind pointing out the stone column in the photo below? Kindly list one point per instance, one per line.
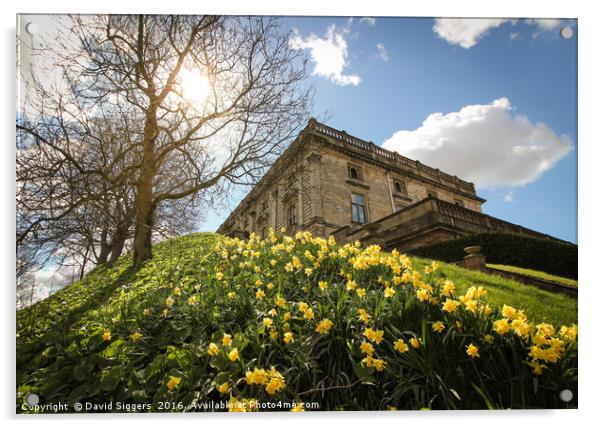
(274, 210)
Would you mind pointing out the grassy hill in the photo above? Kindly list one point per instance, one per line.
(295, 321)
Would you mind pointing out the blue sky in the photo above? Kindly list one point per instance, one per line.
(506, 91)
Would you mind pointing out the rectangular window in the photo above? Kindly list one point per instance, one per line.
(358, 208)
(292, 216)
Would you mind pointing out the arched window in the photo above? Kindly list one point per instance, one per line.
(354, 173)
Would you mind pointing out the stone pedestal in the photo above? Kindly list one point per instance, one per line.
(474, 260)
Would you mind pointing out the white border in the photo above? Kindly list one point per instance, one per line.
(589, 190)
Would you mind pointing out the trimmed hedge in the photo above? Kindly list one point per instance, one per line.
(515, 250)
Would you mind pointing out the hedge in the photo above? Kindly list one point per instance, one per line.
(549, 256)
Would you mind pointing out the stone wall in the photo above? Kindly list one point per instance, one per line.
(313, 174)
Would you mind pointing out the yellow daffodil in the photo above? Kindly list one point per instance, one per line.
(508, 311)
(173, 382)
(438, 327)
(106, 336)
(227, 340)
(136, 336)
(223, 388)
(471, 305)
(379, 365)
(367, 348)
(472, 350)
(400, 346)
(415, 342)
(233, 355)
(288, 337)
(324, 326)
(213, 349)
(501, 326)
(169, 302)
(450, 305)
(389, 292)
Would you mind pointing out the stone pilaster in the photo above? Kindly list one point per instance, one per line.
(314, 164)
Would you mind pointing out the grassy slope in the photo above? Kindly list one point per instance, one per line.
(100, 291)
(60, 352)
(537, 274)
(97, 294)
(540, 305)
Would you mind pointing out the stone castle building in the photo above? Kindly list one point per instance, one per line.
(332, 183)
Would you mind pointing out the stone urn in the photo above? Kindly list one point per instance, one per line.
(473, 249)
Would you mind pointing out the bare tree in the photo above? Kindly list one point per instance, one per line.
(255, 101)
(69, 214)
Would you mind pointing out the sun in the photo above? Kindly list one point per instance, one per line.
(195, 86)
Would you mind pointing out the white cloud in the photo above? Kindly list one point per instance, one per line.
(484, 144)
(368, 20)
(329, 55)
(545, 24)
(465, 32)
(509, 197)
(382, 52)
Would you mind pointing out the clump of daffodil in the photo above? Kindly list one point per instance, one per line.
(375, 336)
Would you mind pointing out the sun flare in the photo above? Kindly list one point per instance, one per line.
(195, 86)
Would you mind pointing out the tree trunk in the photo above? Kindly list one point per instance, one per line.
(144, 200)
(117, 245)
(105, 249)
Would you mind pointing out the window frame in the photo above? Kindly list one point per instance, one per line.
(292, 216)
(356, 207)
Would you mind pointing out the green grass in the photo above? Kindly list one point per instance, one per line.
(62, 355)
(540, 305)
(537, 274)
